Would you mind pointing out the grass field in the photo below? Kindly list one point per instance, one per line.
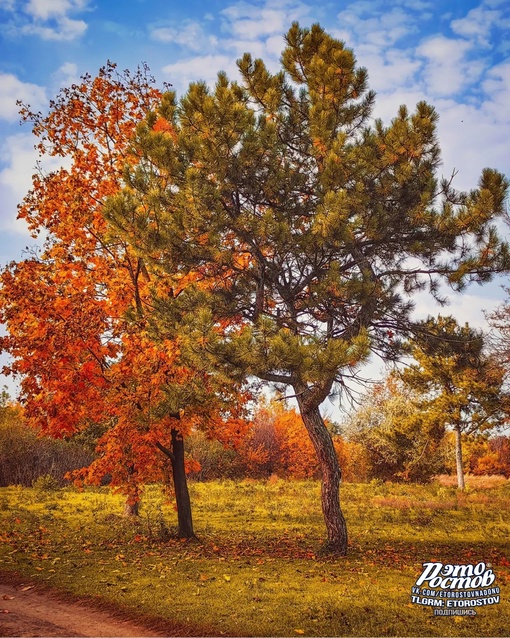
(255, 569)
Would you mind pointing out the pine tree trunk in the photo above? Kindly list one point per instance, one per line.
(184, 519)
(458, 458)
(331, 475)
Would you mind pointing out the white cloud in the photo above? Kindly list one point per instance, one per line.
(387, 104)
(189, 35)
(471, 139)
(448, 67)
(382, 30)
(388, 69)
(47, 19)
(204, 67)
(14, 89)
(45, 9)
(65, 29)
(478, 24)
(496, 86)
(248, 21)
(20, 157)
(19, 160)
(417, 5)
(66, 75)
(257, 48)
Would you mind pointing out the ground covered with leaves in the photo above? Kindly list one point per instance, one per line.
(256, 567)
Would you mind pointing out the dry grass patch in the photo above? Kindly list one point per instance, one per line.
(472, 481)
(256, 569)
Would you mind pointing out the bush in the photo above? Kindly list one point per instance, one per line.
(25, 456)
(488, 456)
(45, 483)
(214, 460)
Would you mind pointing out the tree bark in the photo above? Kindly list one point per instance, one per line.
(184, 518)
(336, 526)
(131, 509)
(458, 458)
(180, 481)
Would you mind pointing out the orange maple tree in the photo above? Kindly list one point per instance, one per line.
(78, 312)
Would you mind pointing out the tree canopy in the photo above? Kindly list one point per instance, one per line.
(266, 227)
(459, 385)
(307, 227)
(77, 312)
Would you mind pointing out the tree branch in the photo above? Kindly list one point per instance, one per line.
(165, 451)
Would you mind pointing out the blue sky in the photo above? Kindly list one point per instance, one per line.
(454, 54)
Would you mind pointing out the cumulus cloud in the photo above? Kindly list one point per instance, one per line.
(247, 21)
(479, 23)
(203, 67)
(47, 19)
(45, 9)
(245, 27)
(384, 29)
(19, 159)
(449, 68)
(66, 74)
(496, 86)
(388, 69)
(65, 29)
(19, 156)
(189, 35)
(14, 89)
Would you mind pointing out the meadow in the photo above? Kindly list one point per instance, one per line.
(255, 568)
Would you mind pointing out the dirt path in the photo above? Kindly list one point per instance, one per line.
(27, 610)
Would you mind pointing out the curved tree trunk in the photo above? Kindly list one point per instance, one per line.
(331, 476)
(458, 458)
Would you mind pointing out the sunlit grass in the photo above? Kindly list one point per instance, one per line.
(256, 568)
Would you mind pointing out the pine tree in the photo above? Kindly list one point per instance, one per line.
(305, 227)
(461, 386)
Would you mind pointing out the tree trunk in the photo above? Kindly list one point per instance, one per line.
(458, 458)
(182, 498)
(331, 476)
(131, 509)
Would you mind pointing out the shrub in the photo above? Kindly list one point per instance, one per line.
(25, 456)
(45, 483)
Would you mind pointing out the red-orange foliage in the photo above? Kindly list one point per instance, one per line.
(78, 313)
(353, 460)
(490, 457)
(278, 444)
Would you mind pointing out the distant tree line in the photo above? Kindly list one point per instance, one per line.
(375, 443)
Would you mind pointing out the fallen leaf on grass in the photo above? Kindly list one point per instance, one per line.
(299, 631)
(7, 597)
(27, 587)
